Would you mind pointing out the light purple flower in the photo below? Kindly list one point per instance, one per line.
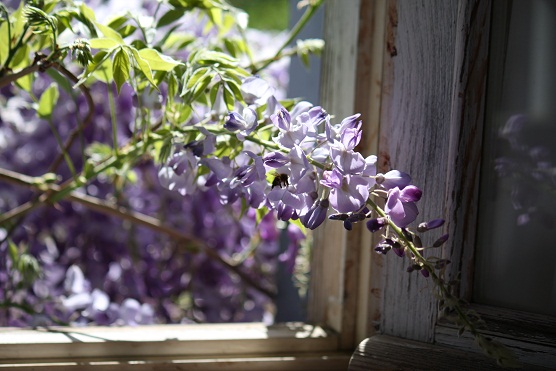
(393, 178)
(400, 212)
(256, 91)
(348, 193)
(180, 174)
(242, 125)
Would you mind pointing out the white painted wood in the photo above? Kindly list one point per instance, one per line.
(414, 137)
(333, 291)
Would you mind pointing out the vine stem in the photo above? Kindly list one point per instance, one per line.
(291, 36)
(75, 132)
(155, 224)
(425, 265)
(8, 79)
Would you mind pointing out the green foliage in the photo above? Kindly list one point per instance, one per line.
(120, 68)
(265, 15)
(47, 102)
(23, 264)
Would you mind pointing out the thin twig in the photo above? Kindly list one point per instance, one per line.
(8, 79)
(75, 132)
(108, 208)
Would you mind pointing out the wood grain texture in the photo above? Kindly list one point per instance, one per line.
(333, 291)
(368, 88)
(414, 137)
(466, 133)
(389, 353)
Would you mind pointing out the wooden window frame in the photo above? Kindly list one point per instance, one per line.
(338, 301)
(435, 87)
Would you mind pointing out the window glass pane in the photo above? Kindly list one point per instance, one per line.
(516, 254)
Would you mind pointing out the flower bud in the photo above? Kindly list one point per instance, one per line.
(432, 224)
(396, 248)
(338, 216)
(384, 246)
(357, 217)
(440, 241)
(375, 225)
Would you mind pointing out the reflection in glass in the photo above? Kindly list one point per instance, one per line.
(516, 252)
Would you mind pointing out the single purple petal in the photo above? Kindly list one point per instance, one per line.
(332, 179)
(348, 162)
(350, 122)
(234, 122)
(350, 138)
(275, 159)
(351, 196)
(256, 90)
(316, 215)
(410, 194)
(376, 224)
(394, 178)
(281, 119)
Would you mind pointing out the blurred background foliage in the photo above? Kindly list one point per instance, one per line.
(266, 14)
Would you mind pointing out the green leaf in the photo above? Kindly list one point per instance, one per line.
(19, 24)
(48, 101)
(198, 75)
(157, 61)
(98, 152)
(61, 80)
(127, 30)
(172, 87)
(117, 22)
(120, 68)
(13, 251)
(229, 98)
(200, 88)
(110, 33)
(101, 68)
(213, 57)
(103, 43)
(169, 17)
(177, 41)
(297, 223)
(143, 66)
(87, 12)
(21, 58)
(4, 42)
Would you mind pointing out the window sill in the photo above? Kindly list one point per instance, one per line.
(293, 346)
(384, 352)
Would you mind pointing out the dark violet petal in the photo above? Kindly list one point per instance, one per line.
(441, 240)
(432, 224)
(375, 225)
(398, 250)
(410, 194)
(338, 216)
